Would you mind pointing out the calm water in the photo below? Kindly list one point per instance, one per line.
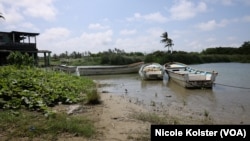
(227, 102)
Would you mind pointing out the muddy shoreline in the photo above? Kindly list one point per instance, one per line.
(114, 118)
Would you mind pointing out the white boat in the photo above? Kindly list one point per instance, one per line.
(108, 70)
(151, 71)
(189, 77)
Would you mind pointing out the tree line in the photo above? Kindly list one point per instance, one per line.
(244, 49)
(209, 55)
(120, 57)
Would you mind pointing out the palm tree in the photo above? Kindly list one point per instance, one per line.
(167, 41)
(1, 16)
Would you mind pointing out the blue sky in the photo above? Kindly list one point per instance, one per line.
(99, 25)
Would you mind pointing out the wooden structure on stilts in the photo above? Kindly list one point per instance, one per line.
(23, 42)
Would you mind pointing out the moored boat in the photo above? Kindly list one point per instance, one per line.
(151, 71)
(189, 77)
(108, 70)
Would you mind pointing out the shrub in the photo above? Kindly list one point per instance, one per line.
(18, 59)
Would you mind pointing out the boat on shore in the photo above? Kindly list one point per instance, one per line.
(108, 70)
(151, 71)
(64, 68)
(189, 77)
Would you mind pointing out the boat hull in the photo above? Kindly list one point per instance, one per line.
(189, 77)
(100, 70)
(108, 70)
(151, 71)
(181, 80)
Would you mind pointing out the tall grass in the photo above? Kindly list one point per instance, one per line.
(32, 125)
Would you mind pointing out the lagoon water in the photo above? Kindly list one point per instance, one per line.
(228, 102)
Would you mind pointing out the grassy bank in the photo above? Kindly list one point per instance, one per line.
(27, 125)
(27, 95)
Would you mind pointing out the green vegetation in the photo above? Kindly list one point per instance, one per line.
(27, 91)
(194, 58)
(110, 57)
(16, 125)
(120, 57)
(210, 55)
(18, 59)
(243, 50)
(36, 89)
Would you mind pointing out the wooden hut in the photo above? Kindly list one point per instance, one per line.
(23, 42)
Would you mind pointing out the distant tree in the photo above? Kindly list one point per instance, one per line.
(245, 48)
(246, 44)
(168, 42)
(54, 56)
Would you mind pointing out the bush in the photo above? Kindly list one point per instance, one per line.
(37, 89)
(118, 59)
(18, 59)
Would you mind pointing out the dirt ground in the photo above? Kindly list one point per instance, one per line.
(113, 120)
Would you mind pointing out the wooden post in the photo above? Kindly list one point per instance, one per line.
(45, 64)
(48, 58)
(13, 36)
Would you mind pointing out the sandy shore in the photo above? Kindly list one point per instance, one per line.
(114, 121)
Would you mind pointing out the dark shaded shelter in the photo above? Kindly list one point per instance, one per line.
(23, 42)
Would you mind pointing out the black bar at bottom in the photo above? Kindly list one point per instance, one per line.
(199, 132)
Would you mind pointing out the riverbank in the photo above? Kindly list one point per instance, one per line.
(119, 118)
(113, 119)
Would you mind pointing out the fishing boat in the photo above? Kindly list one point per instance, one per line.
(189, 77)
(64, 68)
(151, 71)
(108, 70)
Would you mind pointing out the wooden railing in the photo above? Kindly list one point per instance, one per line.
(19, 46)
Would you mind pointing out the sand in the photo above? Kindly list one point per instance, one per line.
(113, 120)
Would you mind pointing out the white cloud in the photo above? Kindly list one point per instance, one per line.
(155, 17)
(195, 45)
(97, 39)
(211, 25)
(184, 9)
(58, 40)
(127, 32)
(54, 34)
(12, 16)
(139, 43)
(34, 8)
(231, 38)
(146, 42)
(234, 2)
(152, 17)
(49, 39)
(227, 2)
(97, 26)
(246, 18)
(27, 26)
(211, 39)
(155, 32)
